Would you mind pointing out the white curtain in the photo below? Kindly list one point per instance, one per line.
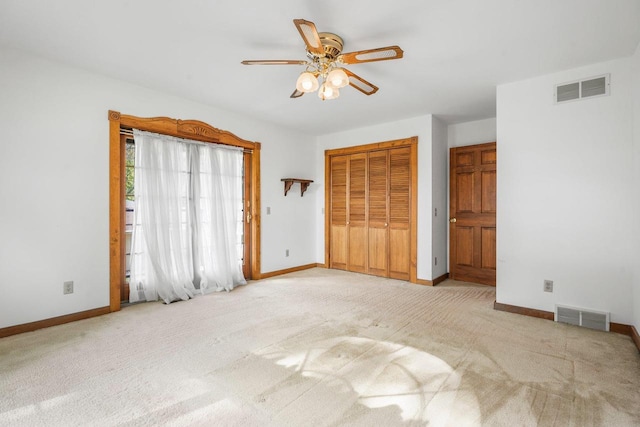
(188, 207)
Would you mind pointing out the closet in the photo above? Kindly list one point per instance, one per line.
(371, 199)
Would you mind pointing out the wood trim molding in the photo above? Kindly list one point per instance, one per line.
(532, 312)
(54, 321)
(372, 147)
(327, 211)
(289, 270)
(635, 336)
(413, 209)
(619, 328)
(116, 211)
(255, 212)
(433, 282)
(440, 279)
(191, 129)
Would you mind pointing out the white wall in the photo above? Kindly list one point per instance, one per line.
(636, 186)
(54, 184)
(418, 126)
(564, 211)
(290, 225)
(440, 193)
(470, 133)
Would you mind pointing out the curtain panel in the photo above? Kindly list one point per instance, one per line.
(187, 235)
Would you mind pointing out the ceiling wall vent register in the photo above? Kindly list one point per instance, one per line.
(581, 89)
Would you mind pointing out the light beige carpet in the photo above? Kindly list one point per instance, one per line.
(321, 348)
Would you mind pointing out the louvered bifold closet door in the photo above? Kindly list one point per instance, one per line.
(338, 224)
(399, 213)
(371, 194)
(378, 185)
(357, 215)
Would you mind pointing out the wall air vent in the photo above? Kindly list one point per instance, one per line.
(582, 317)
(587, 88)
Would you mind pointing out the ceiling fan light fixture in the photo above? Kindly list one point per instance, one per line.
(324, 63)
(307, 82)
(337, 78)
(328, 92)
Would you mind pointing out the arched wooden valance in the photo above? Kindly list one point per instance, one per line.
(190, 129)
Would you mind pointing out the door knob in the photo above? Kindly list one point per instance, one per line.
(453, 220)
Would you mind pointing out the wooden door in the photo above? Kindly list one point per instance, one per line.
(338, 212)
(357, 214)
(378, 184)
(472, 228)
(399, 197)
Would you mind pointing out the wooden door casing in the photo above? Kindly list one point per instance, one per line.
(472, 231)
(246, 214)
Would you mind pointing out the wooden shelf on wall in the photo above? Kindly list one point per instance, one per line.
(304, 184)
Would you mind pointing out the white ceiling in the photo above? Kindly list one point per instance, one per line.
(456, 51)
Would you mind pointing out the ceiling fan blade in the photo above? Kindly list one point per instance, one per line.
(274, 62)
(370, 55)
(310, 36)
(296, 94)
(361, 84)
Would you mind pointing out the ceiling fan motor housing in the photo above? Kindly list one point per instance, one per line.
(332, 45)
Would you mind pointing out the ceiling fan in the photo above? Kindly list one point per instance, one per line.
(324, 61)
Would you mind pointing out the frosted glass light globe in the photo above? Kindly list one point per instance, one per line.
(307, 82)
(337, 78)
(327, 92)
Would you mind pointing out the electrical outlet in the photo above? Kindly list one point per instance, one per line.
(67, 287)
(548, 286)
(286, 253)
(268, 210)
(436, 263)
(436, 212)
